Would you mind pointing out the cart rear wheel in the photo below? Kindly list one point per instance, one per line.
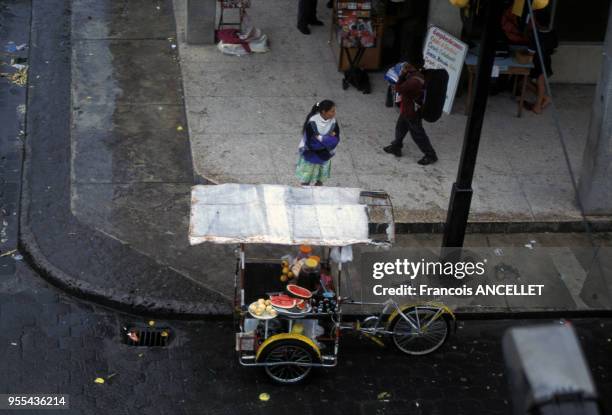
(422, 334)
(288, 361)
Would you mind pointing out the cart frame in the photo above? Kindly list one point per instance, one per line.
(288, 356)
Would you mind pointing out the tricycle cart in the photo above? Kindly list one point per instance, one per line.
(288, 309)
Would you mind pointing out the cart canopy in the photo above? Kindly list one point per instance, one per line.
(276, 214)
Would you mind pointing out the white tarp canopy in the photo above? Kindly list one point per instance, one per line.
(245, 213)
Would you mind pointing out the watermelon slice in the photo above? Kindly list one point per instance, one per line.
(301, 304)
(282, 301)
(297, 291)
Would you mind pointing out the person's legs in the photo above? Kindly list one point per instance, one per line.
(312, 19)
(537, 73)
(323, 173)
(419, 136)
(305, 172)
(304, 12)
(537, 105)
(401, 129)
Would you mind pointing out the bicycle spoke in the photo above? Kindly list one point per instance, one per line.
(429, 335)
(292, 364)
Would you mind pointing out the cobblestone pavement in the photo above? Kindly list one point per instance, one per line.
(51, 343)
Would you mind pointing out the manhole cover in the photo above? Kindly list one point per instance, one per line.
(146, 336)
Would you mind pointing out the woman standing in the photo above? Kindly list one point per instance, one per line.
(320, 136)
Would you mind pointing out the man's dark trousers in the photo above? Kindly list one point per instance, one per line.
(307, 12)
(415, 127)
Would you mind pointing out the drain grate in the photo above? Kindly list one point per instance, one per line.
(147, 337)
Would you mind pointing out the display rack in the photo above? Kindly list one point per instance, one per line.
(357, 34)
(240, 5)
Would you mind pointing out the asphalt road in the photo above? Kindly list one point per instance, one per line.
(51, 343)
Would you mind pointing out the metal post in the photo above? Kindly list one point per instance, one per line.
(461, 195)
(201, 17)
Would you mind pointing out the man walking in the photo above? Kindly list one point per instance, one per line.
(307, 15)
(410, 86)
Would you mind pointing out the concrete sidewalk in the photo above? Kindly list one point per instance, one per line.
(245, 114)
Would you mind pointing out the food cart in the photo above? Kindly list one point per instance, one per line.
(288, 308)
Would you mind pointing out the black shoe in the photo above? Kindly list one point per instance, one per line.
(304, 29)
(427, 160)
(391, 149)
(316, 22)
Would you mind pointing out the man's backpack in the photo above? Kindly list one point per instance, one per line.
(434, 94)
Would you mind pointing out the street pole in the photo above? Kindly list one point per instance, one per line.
(461, 194)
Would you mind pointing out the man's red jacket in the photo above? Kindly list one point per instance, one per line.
(411, 90)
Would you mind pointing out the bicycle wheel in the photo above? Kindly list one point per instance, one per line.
(289, 361)
(424, 335)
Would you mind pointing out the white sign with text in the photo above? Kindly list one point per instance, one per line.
(443, 50)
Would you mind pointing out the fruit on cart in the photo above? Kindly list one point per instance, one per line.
(283, 301)
(285, 270)
(298, 291)
(301, 304)
(259, 307)
(284, 264)
(290, 275)
(283, 278)
(267, 302)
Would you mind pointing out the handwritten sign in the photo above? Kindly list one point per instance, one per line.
(443, 50)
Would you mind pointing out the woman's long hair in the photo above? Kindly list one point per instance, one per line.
(319, 107)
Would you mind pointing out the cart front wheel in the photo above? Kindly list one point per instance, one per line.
(425, 330)
(288, 361)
